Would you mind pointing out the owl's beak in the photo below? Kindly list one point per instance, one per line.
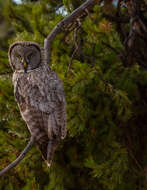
(25, 66)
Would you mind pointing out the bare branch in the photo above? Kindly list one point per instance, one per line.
(65, 22)
(76, 48)
(21, 156)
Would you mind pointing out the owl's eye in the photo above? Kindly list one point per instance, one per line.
(30, 56)
(18, 56)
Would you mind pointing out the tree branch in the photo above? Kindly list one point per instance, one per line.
(116, 19)
(21, 156)
(65, 22)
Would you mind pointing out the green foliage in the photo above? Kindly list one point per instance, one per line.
(106, 107)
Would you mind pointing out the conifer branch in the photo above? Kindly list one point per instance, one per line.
(20, 157)
(119, 54)
(63, 24)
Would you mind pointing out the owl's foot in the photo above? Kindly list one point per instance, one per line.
(48, 164)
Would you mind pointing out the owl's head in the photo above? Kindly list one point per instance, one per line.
(24, 56)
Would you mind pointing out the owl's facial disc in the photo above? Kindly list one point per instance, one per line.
(25, 58)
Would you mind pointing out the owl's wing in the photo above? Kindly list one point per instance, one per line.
(57, 119)
(46, 95)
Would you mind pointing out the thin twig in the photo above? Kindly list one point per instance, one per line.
(21, 156)
(110, 47)
(75, 50)
(133, 157)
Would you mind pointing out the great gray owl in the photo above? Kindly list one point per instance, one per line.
(40, 96)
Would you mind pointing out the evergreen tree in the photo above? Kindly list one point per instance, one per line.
(105, 85)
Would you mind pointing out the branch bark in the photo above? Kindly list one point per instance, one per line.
(65, 22)
(21, 156)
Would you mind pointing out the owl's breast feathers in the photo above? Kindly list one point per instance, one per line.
(40, 96)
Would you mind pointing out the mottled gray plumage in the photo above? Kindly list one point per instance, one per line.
(40, 96)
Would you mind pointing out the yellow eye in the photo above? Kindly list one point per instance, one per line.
(30, 56)
(18, 56)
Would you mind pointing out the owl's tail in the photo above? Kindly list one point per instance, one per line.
(52, 145)
(47, 149)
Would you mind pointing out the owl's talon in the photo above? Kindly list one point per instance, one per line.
(48, 164)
